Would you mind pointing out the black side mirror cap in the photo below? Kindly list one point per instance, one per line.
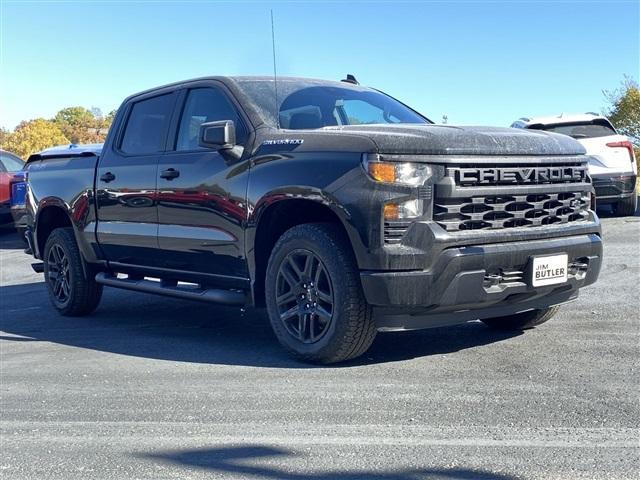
(220, 135)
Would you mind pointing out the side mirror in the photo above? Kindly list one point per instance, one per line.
(219, 135)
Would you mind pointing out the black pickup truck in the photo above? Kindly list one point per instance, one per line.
(338, 208)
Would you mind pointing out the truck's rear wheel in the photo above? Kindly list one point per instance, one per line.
(314, 297)
(522, 321)
(70, 292)
(626, 207)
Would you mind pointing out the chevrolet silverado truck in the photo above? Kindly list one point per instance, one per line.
(338, 208)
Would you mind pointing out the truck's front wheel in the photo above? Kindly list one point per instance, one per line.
(314, 297)
(522, 321)
(71, 293)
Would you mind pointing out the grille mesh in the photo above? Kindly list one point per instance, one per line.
(394, 231)
(510, 211)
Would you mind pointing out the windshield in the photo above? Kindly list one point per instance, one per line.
(309, 104)
(579, 130)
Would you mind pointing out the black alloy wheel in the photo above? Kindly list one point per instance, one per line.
(314, 297)
(70, 282)
(304, 296)
(58, 273)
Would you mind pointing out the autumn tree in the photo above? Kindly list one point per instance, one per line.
(79, 125)
(109, 117)
(34, 135)
(4, 136)
(624, 109)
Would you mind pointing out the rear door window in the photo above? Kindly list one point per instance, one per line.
(146, 128)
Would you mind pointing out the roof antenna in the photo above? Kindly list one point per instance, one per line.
(275, 74)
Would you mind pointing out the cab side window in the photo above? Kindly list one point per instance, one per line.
(206, 105)
(146, 128)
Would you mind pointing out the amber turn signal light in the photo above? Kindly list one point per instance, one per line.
(382, 172)
(391, 211)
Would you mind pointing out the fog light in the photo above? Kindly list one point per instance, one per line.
(404, 210)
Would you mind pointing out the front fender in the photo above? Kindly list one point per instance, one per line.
(322, 178)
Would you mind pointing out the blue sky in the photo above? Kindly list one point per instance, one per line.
(476, 62)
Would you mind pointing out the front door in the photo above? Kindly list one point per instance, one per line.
(202, 194)
(126, 183)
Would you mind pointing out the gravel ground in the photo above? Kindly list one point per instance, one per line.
(156, 388)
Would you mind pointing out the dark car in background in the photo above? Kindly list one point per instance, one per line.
(10, 164)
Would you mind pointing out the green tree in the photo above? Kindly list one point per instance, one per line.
(105, 122)
(110, 116)
(33, 136)
(624, 109)
(79, 125)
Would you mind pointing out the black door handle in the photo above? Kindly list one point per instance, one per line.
(170, 174)
(107, 177)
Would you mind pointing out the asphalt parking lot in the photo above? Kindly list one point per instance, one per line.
(156, 388)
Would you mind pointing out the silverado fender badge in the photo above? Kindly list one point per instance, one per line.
(284, 141)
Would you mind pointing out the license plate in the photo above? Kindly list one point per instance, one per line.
(549, 270)
(18, 193)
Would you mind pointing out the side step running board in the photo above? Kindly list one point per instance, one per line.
(224, 297)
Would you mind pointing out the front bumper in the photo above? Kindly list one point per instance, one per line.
(479, 281)
(612, 188)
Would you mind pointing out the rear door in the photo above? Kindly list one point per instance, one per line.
(126, 182)
(202, 205)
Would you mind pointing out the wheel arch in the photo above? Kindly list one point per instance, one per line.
(52, 214)
(273, 220)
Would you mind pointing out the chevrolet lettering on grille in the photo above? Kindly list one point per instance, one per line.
(518, 175)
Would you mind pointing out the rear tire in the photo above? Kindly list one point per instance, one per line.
(314, 296)
(626, 207)
(70, 291)
(522, 321)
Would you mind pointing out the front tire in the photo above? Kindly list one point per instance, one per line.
(314, 297)
(522, 321)
(626, 207)
(70, 292)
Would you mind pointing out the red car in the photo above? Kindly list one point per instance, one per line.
(9, 165)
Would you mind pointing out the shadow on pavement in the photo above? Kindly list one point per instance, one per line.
(242, 461)
(169, 329)
(9, 239)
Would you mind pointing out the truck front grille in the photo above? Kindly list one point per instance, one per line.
(510, 211)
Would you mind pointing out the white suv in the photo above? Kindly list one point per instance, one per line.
(612, 165)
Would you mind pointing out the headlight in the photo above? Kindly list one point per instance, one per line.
(406, 210)
(397, 171)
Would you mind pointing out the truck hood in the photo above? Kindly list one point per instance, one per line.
(452, 140)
